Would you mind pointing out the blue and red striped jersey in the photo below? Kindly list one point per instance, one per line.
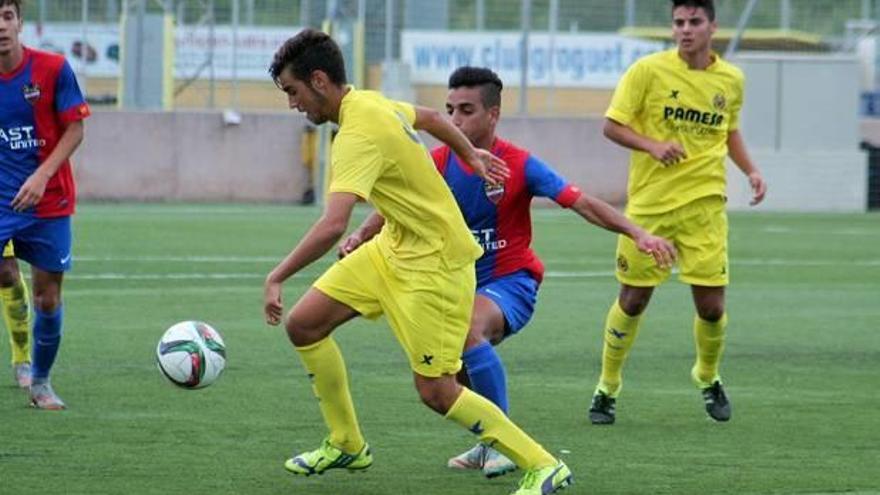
(500, 217)
(38, 99)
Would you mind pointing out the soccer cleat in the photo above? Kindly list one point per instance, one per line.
(43, 397)
(22, 372)
(543, 481)
(491, 462)
(717, 405)
(496, 464)
(472, 459)
(329, 457)
(602, 409)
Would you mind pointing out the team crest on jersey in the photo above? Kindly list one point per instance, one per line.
(622, 264)
(31, 93)
(494, 193)
(719, 102)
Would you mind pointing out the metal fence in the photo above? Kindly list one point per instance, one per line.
(390, 26)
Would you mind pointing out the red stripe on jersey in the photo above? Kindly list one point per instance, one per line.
(514, 216)
(59, 198)
(568, 196)
(75, 114)
(441, 158)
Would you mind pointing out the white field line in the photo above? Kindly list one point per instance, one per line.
(259, 275)
(551, 261)
(850, 231)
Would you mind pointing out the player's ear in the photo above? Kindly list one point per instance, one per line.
(319, 80)
(494, 114)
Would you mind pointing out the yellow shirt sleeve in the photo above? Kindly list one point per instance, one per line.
(356, 165)
(406, 109)
(736, 106)
(629, 97)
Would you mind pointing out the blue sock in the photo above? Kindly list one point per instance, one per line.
(487, 375)
(47, 339)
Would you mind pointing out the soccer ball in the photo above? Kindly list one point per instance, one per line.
(191, 354)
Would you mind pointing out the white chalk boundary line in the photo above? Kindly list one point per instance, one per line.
(547, 261)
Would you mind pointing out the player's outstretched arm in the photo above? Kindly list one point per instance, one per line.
(600, 213)
(736, 147)
(31, 192)
(320, 238)
(485, 164)
(665, 153)
(367, 230)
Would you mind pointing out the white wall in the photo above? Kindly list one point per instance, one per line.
(154, 156)
(194, 156)
(801, 123)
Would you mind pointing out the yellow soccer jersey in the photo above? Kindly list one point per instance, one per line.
(662, 98)
(378, 156)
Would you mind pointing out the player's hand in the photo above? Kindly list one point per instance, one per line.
(667, 153)
(272, 307)
(30, 193)
(759, 187)
(663, 251)
(348, 245)
(488, 166)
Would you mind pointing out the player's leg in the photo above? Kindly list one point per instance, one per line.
(336, 297)
(501, 308)
(710, 325)
(621, 329)
(46, 245)
(704, 265)
(492, 427)
(483, 372)
(16, 315)
(48, 326)
(429, 313)
(638, 275)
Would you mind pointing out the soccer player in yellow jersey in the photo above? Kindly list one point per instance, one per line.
(16, 315)
(678, 110)
(418, 271)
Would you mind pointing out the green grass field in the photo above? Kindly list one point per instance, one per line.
(802, 368)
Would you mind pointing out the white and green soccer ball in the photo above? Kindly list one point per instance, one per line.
(191, 354)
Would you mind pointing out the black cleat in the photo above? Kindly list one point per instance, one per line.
(717, 405)
(602, 409)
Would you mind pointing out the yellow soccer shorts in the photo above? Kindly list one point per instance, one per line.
(8, 250)
(429, 311)
(699, 232)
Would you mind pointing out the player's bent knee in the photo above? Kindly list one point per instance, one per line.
(8, 276)
(473, 339)
(438, 393)
(633, 306)
(712, 313)
(483, 331)
(634, 300)
(47, 302)
(302, 332)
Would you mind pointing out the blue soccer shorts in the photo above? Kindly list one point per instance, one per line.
(43, 242)
(515, 294)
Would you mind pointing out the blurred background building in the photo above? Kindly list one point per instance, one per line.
(812, 68)
(577, 48)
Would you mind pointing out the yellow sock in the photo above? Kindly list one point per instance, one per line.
(709, 337)
(16, 314)
(326, 369)
(484, 419)
(621, 330)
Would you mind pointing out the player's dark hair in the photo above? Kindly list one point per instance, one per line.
(18, 4)
(479, 77)
(308, 51)
(706, 5)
